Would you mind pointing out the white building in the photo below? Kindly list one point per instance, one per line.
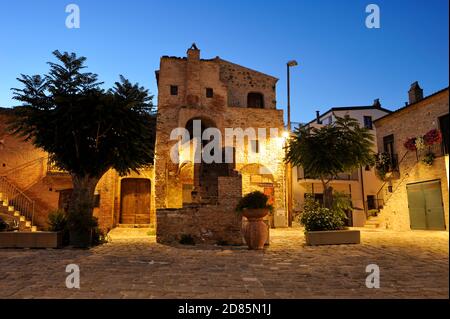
(362, 184)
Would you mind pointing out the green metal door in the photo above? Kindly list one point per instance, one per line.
(416, 204)
(425, 205)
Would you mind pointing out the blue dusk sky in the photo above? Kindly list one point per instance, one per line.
(341, 61)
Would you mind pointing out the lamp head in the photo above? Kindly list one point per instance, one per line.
(292, 63)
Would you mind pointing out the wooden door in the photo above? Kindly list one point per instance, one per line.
(135, 201)
(425, 205)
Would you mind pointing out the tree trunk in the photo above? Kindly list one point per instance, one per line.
(80, 210)
(327, 196)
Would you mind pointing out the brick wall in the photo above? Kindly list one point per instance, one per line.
(209, 224)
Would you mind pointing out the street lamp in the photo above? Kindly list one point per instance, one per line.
(290, 64)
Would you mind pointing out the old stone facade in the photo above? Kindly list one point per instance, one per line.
(415, 195)
(220, 95)
(29, 169)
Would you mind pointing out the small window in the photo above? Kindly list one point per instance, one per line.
(173, 90)
(255, 146)
(209, 92)
(255, 100)
(367, 168)
(368, 122)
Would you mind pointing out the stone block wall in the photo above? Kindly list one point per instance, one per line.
(206, 224)
(412, 121)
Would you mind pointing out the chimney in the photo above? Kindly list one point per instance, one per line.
(318, 117)
(376, 103)
(193, 53)
(415, 93)
(193, 84)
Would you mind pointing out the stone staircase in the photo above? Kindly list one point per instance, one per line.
(373, 222)
(15, 207)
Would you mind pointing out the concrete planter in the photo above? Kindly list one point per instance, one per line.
(30, 239)
(333, 237)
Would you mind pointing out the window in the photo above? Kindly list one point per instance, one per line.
(328, 120)
(173, 90)
(255, 100)
(367, 168)
(209, 92)
(368, 122)
(255, 146)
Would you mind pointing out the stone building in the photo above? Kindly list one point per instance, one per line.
(361, 185)
(29, 179)
(414, 194)
(214, 93)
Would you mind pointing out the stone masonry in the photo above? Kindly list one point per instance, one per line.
(219, 94)
(413, 120)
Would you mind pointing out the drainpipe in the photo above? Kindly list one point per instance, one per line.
(362, 190)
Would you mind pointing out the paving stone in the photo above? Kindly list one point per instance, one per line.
(412, 265)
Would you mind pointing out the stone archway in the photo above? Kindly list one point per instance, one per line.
(205, 175)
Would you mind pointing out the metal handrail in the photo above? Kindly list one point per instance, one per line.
(384, 184)
(17, 198)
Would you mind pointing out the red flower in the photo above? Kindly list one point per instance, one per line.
(433, 136)
(410, 144)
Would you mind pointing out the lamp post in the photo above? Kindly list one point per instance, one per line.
(290, 64)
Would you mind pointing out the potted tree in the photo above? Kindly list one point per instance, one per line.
(326, 226)
(254, 207)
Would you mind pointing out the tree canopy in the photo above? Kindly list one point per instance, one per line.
(326, 151)
(84, 128)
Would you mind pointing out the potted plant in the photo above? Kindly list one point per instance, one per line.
(57, 222)
(254, 207)
(326, 226)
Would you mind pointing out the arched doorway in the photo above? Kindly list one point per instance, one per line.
(205, 175)
(135, 201)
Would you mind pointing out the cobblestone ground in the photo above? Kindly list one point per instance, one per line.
(412, 264)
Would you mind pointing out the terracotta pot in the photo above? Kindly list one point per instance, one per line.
(255, 232)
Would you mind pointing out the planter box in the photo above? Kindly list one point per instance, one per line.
(30, 239)
(333, 237)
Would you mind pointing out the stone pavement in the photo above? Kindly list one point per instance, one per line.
(413, 264)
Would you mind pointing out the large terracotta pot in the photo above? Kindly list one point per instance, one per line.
(255, 231)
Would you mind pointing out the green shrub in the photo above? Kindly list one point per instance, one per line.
(342, 203)
(372, 212)
(187, 239)
(98, 236)
(317, 218)
(57, 221)
(254, 200)
(4, 226)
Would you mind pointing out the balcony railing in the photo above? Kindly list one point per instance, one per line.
(353, 176)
